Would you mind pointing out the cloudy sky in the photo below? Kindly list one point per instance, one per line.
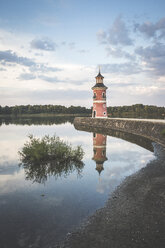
(50, 51)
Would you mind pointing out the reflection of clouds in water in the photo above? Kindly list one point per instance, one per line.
(8, 168)
(85, 141)
(100, 186)
(12, 182)
(132, 156)
(121, 163)
(72, 177)
(9, 151)
(117, 144)
(79, 139)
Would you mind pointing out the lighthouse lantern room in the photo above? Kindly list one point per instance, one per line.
(99, 98)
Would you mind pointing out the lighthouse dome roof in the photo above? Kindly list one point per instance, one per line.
(99, 75)
(99, 85)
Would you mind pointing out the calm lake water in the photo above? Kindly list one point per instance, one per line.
(41, 213)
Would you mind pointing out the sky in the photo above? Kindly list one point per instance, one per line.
(50, 51)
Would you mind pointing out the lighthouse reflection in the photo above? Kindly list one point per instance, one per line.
(99, 151)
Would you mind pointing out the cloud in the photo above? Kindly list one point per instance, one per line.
(121, 68)
(102, 36)
(118, 53)
(120, 85)
(115, 39)
(129, 95)
(38, 54)
(49, 79)
(9, 56)
(118, 34)
(26, 76)
(43, 44)
(153, 58)
(54, 79)
(38, 67)
(47, 20)
(2, 69)
(152, 30)
(53, 96)
(72, 45)
(83, 51)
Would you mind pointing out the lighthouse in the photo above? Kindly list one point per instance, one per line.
(99, 98)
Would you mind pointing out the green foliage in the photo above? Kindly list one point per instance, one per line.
(137, 111)
(49, 156)
(43, 109)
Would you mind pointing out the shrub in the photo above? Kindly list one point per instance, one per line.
(50, 156)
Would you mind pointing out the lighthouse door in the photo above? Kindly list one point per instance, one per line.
(94, 113)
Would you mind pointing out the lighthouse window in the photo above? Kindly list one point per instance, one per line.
(94, 96)
(103, 94)
(94, 151)
(104, 113)
(103, 152)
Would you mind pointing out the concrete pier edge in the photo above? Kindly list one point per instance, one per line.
(151, 129)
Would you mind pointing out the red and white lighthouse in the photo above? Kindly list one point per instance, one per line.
(99, 98)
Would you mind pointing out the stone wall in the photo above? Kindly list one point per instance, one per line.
(151, 129)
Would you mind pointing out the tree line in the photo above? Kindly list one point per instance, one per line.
(43, 109)
(134, 111)
(137, 111)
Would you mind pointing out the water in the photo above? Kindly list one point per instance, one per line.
(34, 214)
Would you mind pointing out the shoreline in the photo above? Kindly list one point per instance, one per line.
(134, 214)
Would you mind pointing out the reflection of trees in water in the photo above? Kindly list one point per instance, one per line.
(50, 156)
(50, 120)
(40, 172)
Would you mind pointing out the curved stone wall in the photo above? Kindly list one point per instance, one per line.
(152, 129)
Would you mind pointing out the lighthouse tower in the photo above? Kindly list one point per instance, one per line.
(99, 151)
(99, 98)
